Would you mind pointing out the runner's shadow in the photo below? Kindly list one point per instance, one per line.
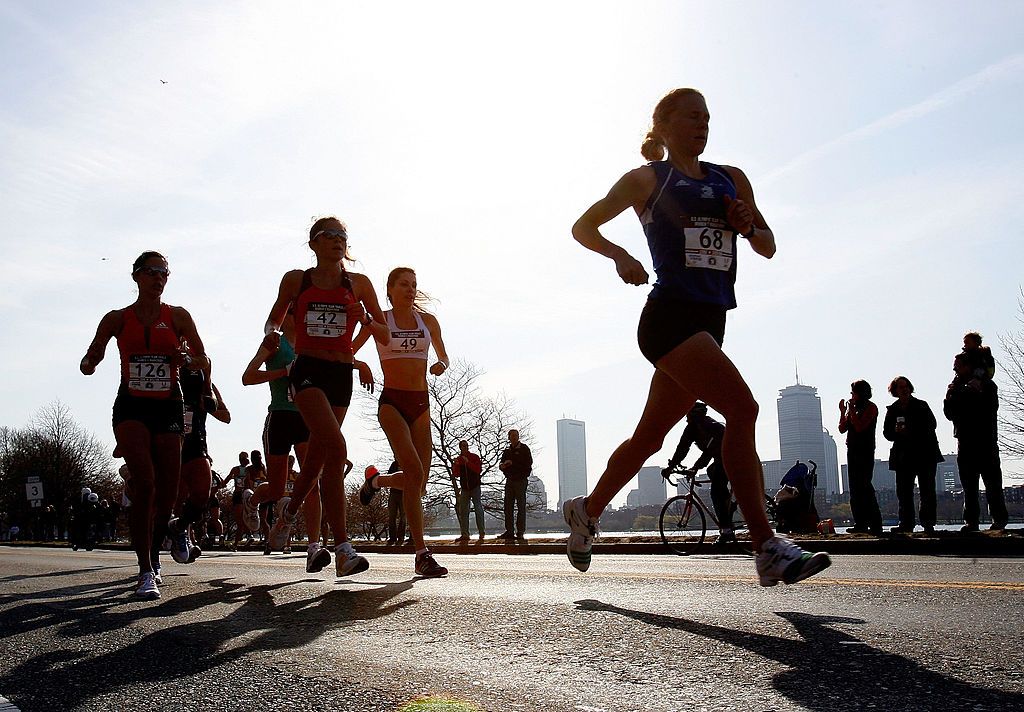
(67, 679)
(831, 670)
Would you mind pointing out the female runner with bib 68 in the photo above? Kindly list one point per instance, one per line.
(691, 212)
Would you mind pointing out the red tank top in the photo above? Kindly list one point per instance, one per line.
(320, 318)
(147, 353)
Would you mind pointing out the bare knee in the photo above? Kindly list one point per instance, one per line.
(742, 412)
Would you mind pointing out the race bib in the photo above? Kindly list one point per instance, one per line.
(325, 320)
(148, 372)
(406, 341)
(188, 419)
(708, 244)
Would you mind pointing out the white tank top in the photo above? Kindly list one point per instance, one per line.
(404, 343)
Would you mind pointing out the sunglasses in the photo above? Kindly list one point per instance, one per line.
(153, 271)
(332, 233)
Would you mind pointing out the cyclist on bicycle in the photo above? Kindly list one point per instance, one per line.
(706, 433)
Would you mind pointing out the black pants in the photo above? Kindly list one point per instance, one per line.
(720, 498)
(976, 465)
(863, 502)
(396, 515)
(515, 495)
(924, 475)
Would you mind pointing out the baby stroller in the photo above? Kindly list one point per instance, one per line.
(795, 499)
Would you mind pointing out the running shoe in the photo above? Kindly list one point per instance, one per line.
(427, 567)
(147, 587)
(156, 575)
(181, 549)
(727, 536)
(194, 554)
(250, 512)
(317, 558)
(582, 531)
(348, 561)
(369, 488)
(283, 523)
(782, 560)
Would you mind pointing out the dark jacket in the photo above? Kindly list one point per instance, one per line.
(707, 433)
(974, 414)
(916, 445)
(521, 459)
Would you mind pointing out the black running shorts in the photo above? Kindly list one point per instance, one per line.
(334, 378)
(666, 323)
(159, 415)
(283, 430)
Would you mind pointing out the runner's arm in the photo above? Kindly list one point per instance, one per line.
(434, 327)
(108, 327)
(631, 190)
(744, 215)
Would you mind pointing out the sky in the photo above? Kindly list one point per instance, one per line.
(463, 139)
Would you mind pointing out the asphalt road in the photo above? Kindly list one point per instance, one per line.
(247, 632)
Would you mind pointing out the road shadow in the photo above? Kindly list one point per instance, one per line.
(69, 678)
(833, 671)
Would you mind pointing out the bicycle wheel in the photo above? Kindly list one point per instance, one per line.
(682, 524)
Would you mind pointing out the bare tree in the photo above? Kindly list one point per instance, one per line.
(1011, 412)
(460, 410)
(55, 448)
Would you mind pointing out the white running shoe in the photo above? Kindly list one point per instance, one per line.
(347, 561)
(157, 578)
(283, 523)
(250, 512)
(317, 558)
(582, 532)
(147, 587)
(782, 560)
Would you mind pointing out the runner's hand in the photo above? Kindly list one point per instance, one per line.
(630, 270)
(739, 215)
(355, 311)
(365, 375)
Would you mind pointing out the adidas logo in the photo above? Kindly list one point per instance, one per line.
(681, 182)
(161, 325)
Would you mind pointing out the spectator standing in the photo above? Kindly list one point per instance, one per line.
(517, 464)
(910, 426)
(467, 467)
(972, 411)
(396, 511)
(858, 418)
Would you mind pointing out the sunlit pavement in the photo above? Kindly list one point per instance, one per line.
(248, 632)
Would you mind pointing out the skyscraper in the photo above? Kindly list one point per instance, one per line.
(802, 437)
(572, 459)
(652, 485)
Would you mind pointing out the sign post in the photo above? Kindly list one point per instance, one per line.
(34, 491)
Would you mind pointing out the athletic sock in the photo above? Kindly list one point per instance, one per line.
(424, 550)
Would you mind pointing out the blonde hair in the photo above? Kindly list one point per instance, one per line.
(653, 148)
